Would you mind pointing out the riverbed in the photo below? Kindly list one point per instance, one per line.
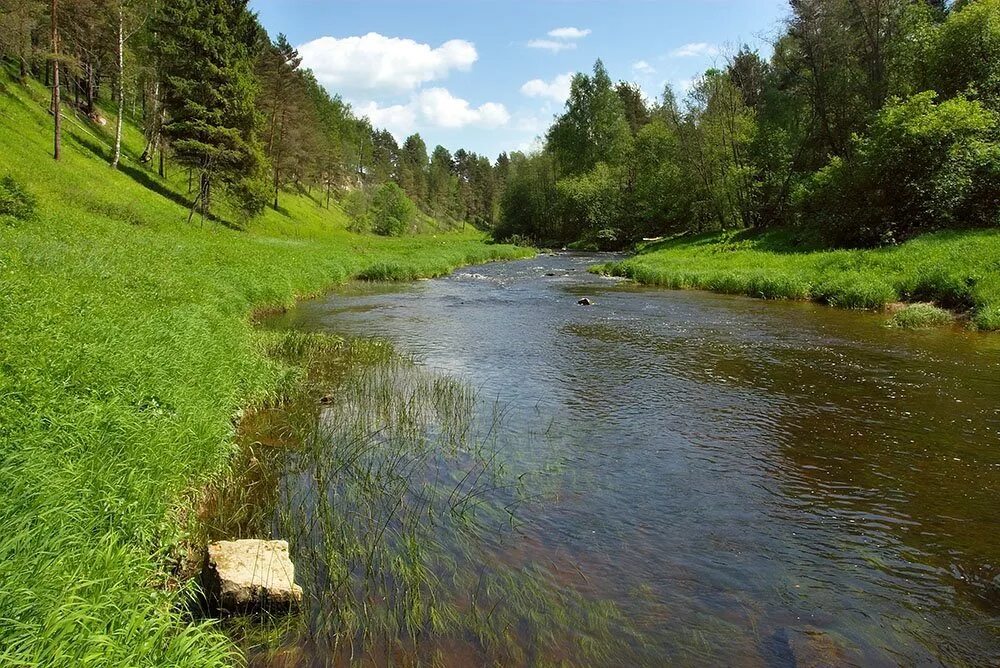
(734, 481)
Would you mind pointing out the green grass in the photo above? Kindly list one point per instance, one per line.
(921, 316)
(957, 270)
(126, 352)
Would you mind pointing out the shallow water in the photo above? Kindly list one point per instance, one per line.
(749, 482)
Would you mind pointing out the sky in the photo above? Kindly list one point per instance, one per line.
(490, 75)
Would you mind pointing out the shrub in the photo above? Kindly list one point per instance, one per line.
(922, 166)
(391, 212)
(15, 201)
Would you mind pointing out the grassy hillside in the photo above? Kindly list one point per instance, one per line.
(957, 270)
(126, 349)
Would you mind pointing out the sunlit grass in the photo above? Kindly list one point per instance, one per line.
(126, 350)
(956, 270)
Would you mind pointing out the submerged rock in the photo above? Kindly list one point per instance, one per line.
(810, 647)
(251, 575)
(585, 302)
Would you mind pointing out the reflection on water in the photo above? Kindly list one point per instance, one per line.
(749, 483)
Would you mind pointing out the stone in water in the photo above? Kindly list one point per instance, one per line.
(251, 575)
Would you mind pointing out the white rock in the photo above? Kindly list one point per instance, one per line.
(248, 575)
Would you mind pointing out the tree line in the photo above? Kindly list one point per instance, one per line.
(218, 98)
(873, 121)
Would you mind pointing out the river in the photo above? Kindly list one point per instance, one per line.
(744, 482)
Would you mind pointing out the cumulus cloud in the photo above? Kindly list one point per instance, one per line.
(569, 33)
(695, 49)
(435, 108)
(643, 68)
(557, 89)
(376, 62)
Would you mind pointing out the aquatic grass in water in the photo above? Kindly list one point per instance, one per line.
(395, 505)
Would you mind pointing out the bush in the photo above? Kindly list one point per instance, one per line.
(391, 212)
(923, 166)
(15, 201)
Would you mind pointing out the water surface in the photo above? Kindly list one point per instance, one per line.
(749, 482)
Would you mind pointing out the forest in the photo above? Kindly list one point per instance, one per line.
(218, 98)
(872, 122)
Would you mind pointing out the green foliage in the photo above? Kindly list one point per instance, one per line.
(529, 199)
(15, 201)
(392, 213)
(965, 59)
(590, 202)
(203, 50)
(594, 127)
(922, 166)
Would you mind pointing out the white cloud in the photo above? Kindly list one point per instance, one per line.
(438, 107)
(562, 39)
(376, 62)
(551, 45)
(434, 108)
(399, 119)
(643, 68)
(557, 89)
(569, 33)
(695, 49)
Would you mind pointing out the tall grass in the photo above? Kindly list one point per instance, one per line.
(126, 350)
(959, 270)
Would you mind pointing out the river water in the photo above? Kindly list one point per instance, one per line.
(747, 482)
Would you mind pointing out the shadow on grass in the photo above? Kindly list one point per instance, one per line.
(149, 181)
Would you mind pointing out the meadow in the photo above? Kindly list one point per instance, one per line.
(127, 354)
(956, 270)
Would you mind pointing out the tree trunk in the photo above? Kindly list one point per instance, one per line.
(90, 89)
(121, 85)
(56, 102)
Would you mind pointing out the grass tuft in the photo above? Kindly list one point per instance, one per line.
(921, 316)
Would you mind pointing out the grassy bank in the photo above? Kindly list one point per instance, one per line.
(959, 271)
(126, 350)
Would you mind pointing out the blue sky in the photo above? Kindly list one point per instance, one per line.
(488, 75)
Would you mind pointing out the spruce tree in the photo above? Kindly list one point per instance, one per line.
(208, 90)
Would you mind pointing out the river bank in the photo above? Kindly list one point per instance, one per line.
(126, 349)
(958, 271)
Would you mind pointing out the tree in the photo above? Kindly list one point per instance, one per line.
(208, 94)
(636, 111)
(18, 21)
(593, 128)
(412, 174)
(56, 101)
(391, 211)
(965, 53)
